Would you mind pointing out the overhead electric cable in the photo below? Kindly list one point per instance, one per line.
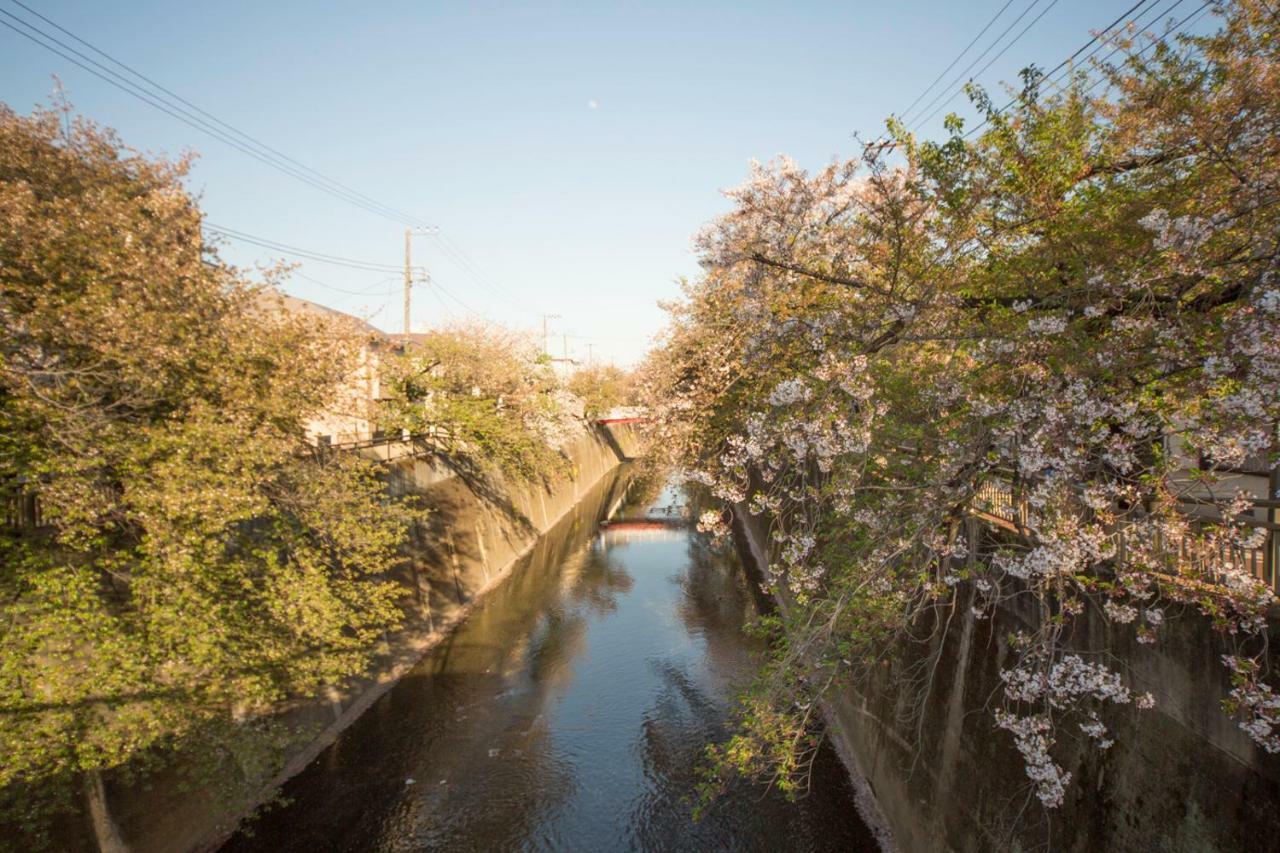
(1177, 29)
(157, 99)
(984, 68)
(947, 91)
(470, 263)
(1063, 69)
(440, 287)
(368, 292)
(959, 56)
(210, 116)
(456, 258)
(444, 306)
(1098, 38)
(336, 260)
(459, 257)
(164, 99)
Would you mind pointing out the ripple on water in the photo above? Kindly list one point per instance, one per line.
(570, 712)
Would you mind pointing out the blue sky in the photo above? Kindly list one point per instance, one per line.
(478, 117)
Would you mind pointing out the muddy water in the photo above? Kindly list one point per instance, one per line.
(569, 712)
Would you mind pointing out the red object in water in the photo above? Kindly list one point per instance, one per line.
(635, 525)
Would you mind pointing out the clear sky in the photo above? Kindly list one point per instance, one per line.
(570, 149)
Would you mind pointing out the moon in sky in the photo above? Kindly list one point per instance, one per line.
(593, 104)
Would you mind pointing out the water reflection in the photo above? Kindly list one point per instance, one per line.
(568, 713)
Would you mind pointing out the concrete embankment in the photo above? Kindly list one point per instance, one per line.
(477, 532)
(918, 736)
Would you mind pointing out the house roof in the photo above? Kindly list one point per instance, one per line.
(274, 300)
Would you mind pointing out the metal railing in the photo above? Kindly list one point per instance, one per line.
(22, 511)
(998, 499)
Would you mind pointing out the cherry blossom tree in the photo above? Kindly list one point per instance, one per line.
(1065, 309)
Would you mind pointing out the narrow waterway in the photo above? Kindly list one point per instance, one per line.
(569, 712)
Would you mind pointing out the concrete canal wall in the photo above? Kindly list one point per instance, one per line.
(478, 530)
(1180, 777)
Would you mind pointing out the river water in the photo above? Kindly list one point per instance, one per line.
(569, 712)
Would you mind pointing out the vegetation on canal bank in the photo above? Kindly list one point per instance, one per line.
(603, 388)
(197, 561)
(485, 393)
(1076, 302)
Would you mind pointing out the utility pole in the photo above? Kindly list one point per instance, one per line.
(408, 276)
(546, 344)
(590, 347)
(409, 234)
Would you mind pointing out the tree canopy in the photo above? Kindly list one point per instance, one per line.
(1077, 296)
(197, 561)
(603, 388)
(481, 393)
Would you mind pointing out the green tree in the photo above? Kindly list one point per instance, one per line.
(482, 394)
(603, 389)
(198, 561)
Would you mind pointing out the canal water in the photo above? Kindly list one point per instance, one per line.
(569, 712)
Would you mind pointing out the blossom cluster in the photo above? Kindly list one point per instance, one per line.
(1258, 704)
(871, 365)
(1032, 736)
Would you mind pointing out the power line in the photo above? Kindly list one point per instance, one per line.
(466, 265)
(184, 116)
(1190, 19)
(449, 294)
(156, 97)
(174, 105)
(370, 291)
(438, 291)
(959, 56)
(1099, 42)
(1002, 52)
(444, 306)
(457, 258)
(1200, 10)
(336, 260)
(610, 337)
(1097, 39)
(208, 115)
(1165, 14)
(469, 263)
(959, 78)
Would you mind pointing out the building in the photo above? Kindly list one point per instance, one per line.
(351, 416)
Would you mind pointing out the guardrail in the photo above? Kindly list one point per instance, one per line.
(999, 500)
(22, 511)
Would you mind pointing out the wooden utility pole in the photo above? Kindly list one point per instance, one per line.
(409, 234)
(546, 344)
(408, 276)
